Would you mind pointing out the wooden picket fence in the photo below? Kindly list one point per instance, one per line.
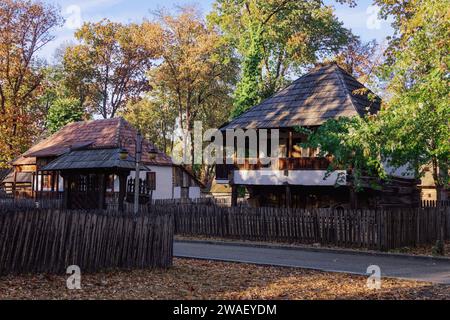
(435, 203)
(30, 203)
(375, 229)
(50, 240)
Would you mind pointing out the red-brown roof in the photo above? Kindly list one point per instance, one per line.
(95, 134)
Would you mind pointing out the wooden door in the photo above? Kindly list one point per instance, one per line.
(84, 191)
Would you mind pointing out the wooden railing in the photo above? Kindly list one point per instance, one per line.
(303, 163)
(434, 203)
(47, 195)
(223, 170)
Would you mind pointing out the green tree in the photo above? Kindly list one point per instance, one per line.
(197, 68)
(155, 116)
(274, 39)
(413, 128)
(354, 143)
(416, 119)
(248, 90)
(64, 111)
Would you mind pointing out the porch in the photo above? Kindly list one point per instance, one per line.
(86, 179)
(268, 169)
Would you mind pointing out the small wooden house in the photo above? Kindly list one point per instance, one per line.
(91, 164)
(298, 178)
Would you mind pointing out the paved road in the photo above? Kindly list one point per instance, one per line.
(437, 271)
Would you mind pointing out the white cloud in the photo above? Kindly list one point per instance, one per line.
(363, 21)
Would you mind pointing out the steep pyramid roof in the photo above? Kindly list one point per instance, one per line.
(327, 91)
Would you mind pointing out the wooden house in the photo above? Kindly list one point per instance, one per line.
(428, 187)
(3, 174)
(298, 177)
(91, 164)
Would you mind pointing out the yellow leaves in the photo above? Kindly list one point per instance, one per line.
(197, 279)
(191, 57)
(24, 27)
(150, 35)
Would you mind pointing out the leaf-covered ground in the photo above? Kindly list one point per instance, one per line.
(196, 279)
(426, 250)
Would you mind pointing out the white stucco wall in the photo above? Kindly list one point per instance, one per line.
(294, 177)
(163, 181)
(194, 192)
(164, 184)
(176, 192)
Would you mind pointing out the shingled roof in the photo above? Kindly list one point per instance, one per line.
(92, 159)
(327, 91)
(4, 173)
(94, 134)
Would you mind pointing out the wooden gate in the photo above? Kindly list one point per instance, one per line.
(84, 191)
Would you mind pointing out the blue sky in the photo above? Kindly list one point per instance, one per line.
(362, 19)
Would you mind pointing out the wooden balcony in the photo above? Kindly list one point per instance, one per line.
(287, 164)
(305, 163)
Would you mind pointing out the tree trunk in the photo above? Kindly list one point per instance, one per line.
(441, 193)
(438, 176)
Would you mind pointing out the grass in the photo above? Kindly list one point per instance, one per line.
(196, 279)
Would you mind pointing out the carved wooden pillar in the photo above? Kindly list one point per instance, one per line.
(66, 199)
(288, 196)
(289, 154)
(14, 182)
(102, 191)
(122, 189)
(234, 195)
(353, 198)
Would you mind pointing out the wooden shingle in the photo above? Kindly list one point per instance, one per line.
(326, 92)
(94, 135)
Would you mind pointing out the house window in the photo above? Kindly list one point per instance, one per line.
(151, 180)
(46, 182)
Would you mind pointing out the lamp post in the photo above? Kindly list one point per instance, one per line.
(137, 172)
(138, 158)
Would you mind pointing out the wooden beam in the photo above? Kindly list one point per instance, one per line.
(353, 198)
(57, 182)
(290, 144)
(33, 194)
(66, 203)
(122, 189)
(42, 184)
(288, 196)
(102, 191)
(15, 181)
(234, 195)
(52, 176)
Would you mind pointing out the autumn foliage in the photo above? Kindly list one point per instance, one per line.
(24, 29)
